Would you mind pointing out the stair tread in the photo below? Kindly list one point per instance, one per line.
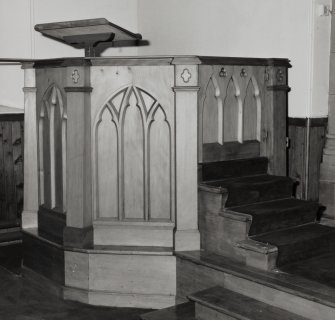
(307, 232)
(274, 206)
(277, 214)
(183, 311)
(239, 306)
(256, 180)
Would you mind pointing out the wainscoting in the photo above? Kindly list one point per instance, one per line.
(11, 166)
(306, 142)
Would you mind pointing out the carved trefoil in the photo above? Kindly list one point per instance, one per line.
(52, 150)
(132, 159)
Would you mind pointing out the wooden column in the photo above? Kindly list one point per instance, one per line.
(78, 231)
(274, 118)
(187, 236)
(30, 193)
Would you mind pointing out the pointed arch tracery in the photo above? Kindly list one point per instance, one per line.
(139, 143)
(52, 149)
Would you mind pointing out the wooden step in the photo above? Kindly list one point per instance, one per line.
(10, 236)
(183, 311)
(252, 189)
(278, 214)
(199, 270)
(11, 245)
(300, 242)
(219, 303)
(234, 168)
(5, 224)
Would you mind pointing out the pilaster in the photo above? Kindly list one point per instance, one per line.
(187, 236)
(30, 192)
(274, 119)
(79, 180)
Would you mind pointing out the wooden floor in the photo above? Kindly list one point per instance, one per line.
(20, 299)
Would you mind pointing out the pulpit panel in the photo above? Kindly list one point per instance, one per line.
(231, 110)
(133, 160)
(107, 173)
(52, 149)
(230, 102)
(159, 167)
(133, 169)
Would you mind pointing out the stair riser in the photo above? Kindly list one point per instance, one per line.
(193, 277)
(219, 235)
(282, 220)
(248, 194)
(235, 168)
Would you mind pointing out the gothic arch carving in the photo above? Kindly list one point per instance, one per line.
(141, 145)
(52, 137)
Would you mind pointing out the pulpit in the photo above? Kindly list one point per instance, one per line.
(112, 148)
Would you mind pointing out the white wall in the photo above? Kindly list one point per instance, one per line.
(15, 42)
(18, 38)
(247, 28)
(320, 59)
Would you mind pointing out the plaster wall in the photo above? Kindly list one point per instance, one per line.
(289, 29)
(20, 40)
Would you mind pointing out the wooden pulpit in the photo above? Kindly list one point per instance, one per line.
(112, 149)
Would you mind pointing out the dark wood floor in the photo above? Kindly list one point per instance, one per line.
(20, 300)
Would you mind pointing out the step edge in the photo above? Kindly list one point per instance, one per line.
(234, 313)
(234, 215)
(257, 246)
(211, 189)
(221, 310)
(152, 313)
(10, 243)
(281, 210)
(268, 281)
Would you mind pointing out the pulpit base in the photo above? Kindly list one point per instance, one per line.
(131, 300)
(114, 276)
(121, 277)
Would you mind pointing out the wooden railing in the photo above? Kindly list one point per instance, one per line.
(11, 166)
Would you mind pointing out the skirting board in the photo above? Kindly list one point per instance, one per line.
(122, 300)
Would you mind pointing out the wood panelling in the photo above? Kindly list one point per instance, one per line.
(304, 162)
(52, 149)
(133, 160)
(159, 167)
(107, 161)
(11, 166)
(133, 144)
(51, 224)
(230, 103)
